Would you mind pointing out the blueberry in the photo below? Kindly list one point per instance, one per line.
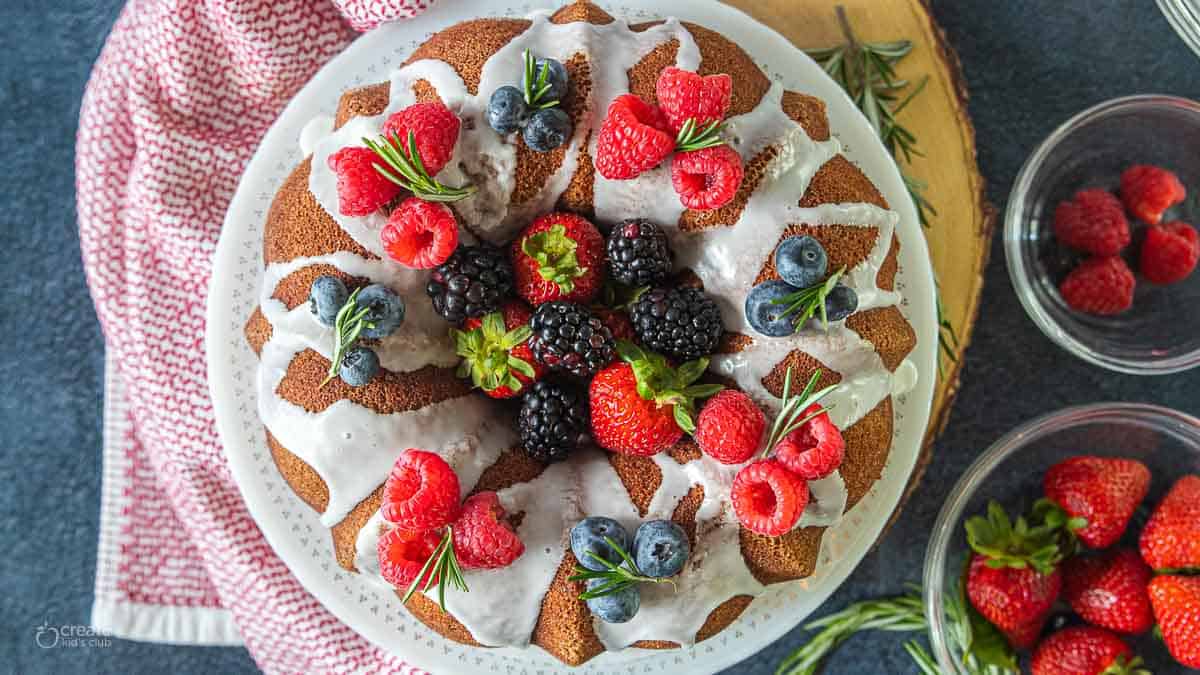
(801, 261)
(588, 537)
(359, 365)
(386, 310)
(325, 297)
(507, 111)
(616, 607)
(547, 129)
(840, 303)
(660, 547)
(556, 77)
(763, 314)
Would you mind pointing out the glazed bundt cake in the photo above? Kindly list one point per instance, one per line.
(335, 444)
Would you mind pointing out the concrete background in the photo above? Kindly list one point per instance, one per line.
(1029, 64)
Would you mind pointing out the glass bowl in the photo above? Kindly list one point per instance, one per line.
(1184, 17)
(1011, 470)
(1160, 333)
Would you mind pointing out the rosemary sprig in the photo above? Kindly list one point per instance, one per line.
(616, 577)
(694, 137)
(350, 322)
(791, 413)
(536, 84)
(983, 649)
(866, 70)
(806, 302)
(403, 166)
(443, 570)
(947, 337)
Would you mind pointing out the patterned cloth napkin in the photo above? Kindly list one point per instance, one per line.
(176, 105)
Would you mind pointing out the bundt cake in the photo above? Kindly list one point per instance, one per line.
(335, 444)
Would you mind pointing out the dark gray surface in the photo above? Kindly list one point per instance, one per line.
(1030, 65)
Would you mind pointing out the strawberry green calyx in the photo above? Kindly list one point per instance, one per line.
(657, 381)
(1041, 545)
(554, 253)
(486, 354)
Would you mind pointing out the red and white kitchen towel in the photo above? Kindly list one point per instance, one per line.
(176, 105)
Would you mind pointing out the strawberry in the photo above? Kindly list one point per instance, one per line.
(617, 321)
(1015, 600)
(684, 95)
(1176, 602)
(1014, 577)
(1148, 191)
(495, 351)
(1085, 650)
(560, 256)
(642, 406)
(1171, 538)
(634, 138)
(1109, 590)
(1102, 491)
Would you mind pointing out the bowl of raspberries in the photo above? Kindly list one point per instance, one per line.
(1072, 545)
(1100, 235)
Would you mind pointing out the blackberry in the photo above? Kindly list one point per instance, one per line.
(553, 421)
(680, 322)
(473, 282)
(638, 254)
(568, 337)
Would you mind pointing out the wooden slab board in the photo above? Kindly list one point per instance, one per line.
(960, 234)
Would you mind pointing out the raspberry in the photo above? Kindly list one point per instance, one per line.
(421, 492)
(683, 94)
(1169, 252)
(707, 179)
(1093, 221)
(434, 127)
(814, 450)
(361, 189)
(420, 234)
(402, 554)
(633, 138)
(1148, 191)
(1102, 286)
(730, 427)
(483, 537)
(560, 256)
(767, 498)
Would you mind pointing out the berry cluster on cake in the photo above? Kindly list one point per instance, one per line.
(579, 333)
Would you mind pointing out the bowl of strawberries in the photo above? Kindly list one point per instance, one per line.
(1072, 545)
(1100, 234)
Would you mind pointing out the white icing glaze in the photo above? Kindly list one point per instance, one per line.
(352, 448)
